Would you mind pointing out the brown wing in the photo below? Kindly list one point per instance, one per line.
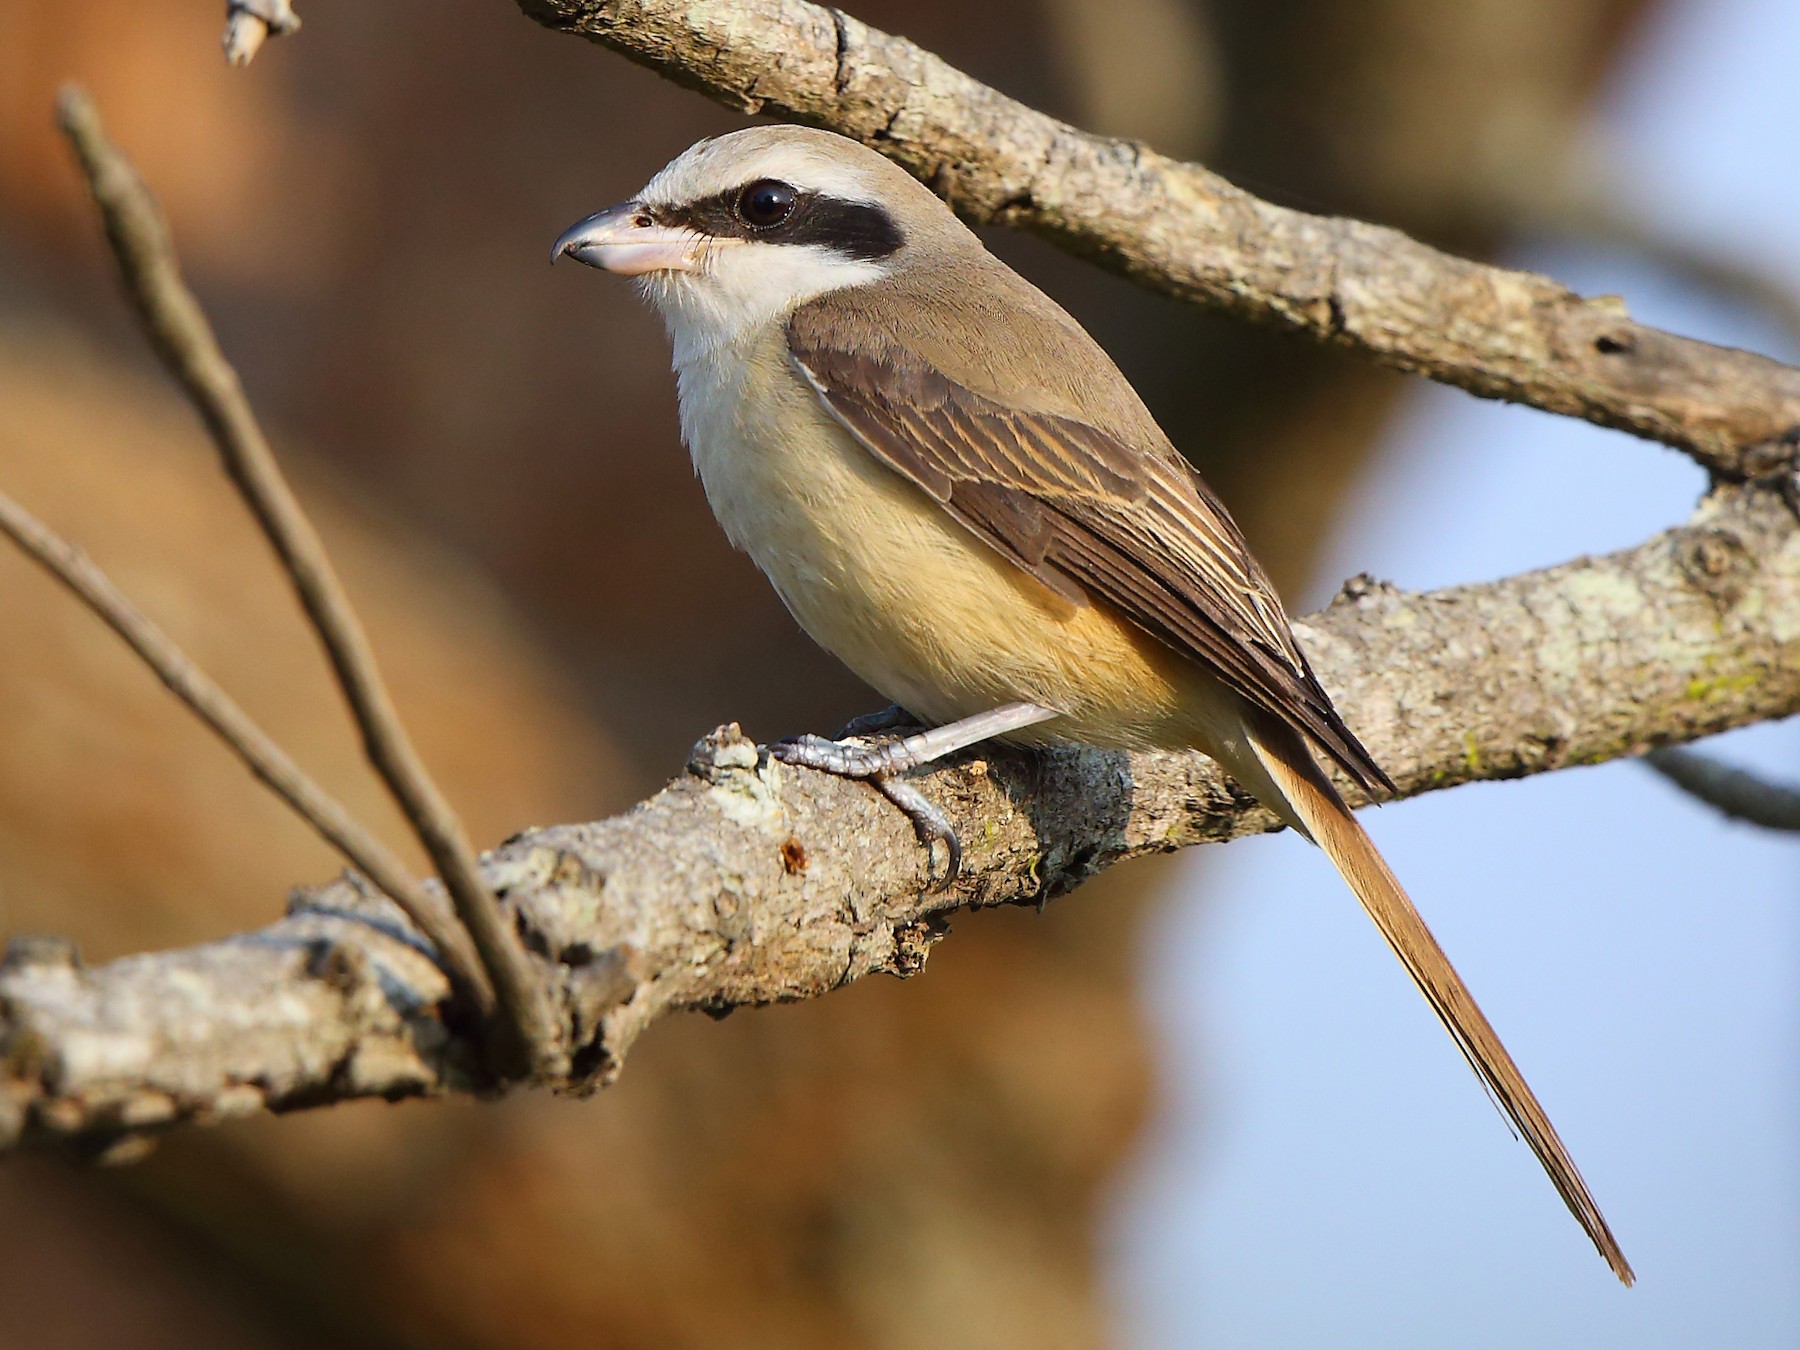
(1086, 514)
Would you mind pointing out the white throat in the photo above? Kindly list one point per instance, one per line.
(740, 288)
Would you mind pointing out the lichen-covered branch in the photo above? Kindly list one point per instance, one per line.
(1177, 228)
(746, 882)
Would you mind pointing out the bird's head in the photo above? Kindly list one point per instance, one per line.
(740, 229)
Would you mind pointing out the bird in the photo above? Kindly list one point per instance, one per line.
(956, 492)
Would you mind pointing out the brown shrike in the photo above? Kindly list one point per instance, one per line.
(956, 492)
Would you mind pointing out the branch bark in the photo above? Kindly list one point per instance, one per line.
(1177, 228)
(745, 882)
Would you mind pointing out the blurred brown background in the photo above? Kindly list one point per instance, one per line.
(490, 447)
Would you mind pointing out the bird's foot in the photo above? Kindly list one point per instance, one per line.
(878, 760)
(877, 763)
(858, 757)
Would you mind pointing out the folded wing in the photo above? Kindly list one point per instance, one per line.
(1088, 515)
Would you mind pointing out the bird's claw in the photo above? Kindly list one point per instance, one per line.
(877, 763)
(929, 823)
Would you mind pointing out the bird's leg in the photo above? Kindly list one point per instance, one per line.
(879, 762)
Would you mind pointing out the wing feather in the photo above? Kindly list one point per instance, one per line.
(1087, 514)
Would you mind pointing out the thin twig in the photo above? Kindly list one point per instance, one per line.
(1581, 199)
(1726, 274)
(179, 331)
(260, 754)
(250, 23)
(1736, 792)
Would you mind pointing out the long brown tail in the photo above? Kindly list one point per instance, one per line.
(1285, 778)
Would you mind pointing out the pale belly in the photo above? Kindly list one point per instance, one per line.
(909, 599)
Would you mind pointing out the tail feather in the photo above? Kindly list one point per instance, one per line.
(1285, 777)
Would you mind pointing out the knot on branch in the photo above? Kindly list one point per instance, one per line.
(1719, 564)
(1362, 586)
(913, 943)
(1775, 457)
(41, 953)
(722, 752)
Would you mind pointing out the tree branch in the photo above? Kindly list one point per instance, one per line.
(270, 764)
(744, 882)
(1177, 228)
(183, 338)
(250, 23)
(1732, 791)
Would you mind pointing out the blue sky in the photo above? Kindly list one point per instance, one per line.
(1325, 1171)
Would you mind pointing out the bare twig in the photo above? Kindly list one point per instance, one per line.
(179, 331)
(1581, 198)
(260, 754)
(691, 900)
(1180, 229)
(1726, 275)
(249, 23)
(1736, 792)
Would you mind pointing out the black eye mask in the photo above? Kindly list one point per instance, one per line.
(862, 231)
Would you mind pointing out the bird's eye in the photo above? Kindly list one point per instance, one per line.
(765, 204)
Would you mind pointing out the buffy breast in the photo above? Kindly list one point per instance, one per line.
(882, 577)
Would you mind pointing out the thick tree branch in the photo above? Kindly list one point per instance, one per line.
(1177, 228)
(744, 882)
